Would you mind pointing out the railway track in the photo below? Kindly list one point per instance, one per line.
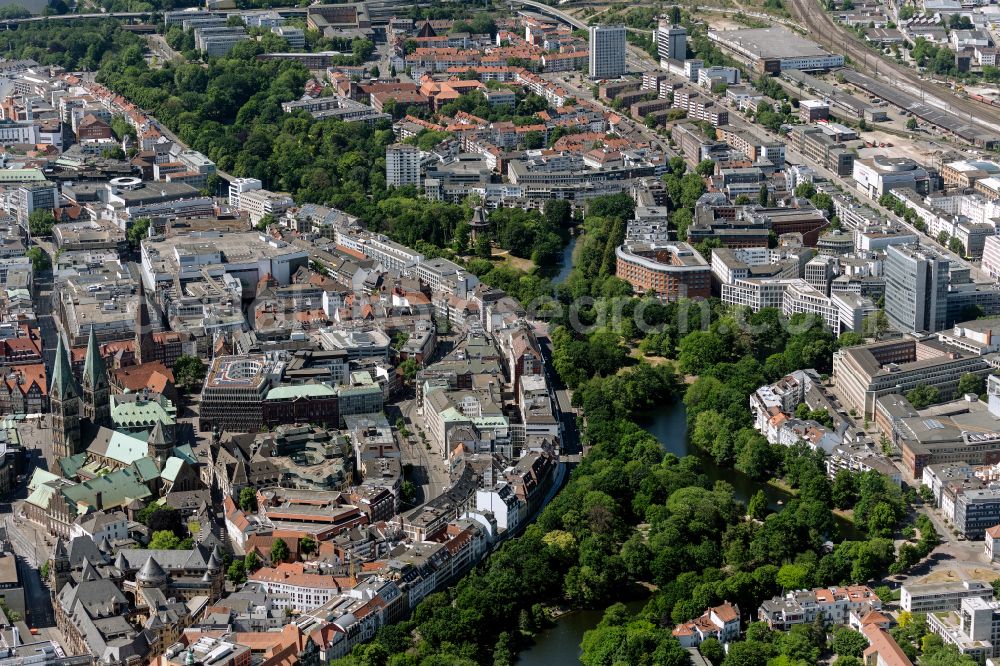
(836, 38)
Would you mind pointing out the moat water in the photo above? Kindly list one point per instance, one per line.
(560, 645)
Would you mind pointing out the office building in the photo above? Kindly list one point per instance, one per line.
(817, 145)
(801, 297)
(238, 186)
(963, 174)
(755, 293)
(402, 165)
(775, 49)
(671, 42)
(671, 270)
(866, 372)
(258, 203)
(811, 110)
(709, 77)
(976, 510)
(607, 51)
(219, 41)
(974, 629)
(991, 257)
(295, 37)
(880, 174)
(853, 308)
(730, 265)
(234, 392)
(916, 288)
(820, 271)
(29, 198)
(936, 597)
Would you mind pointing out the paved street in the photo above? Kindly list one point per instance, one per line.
(158, 47)
(430, 472)
(32, 549)
(44, 305)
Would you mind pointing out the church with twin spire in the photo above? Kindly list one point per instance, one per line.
(86, 442)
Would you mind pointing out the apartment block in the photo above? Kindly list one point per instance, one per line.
(402, 165)
(607, 51)
(833, 604)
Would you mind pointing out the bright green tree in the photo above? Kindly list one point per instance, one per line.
(923, 395)
(40, 222)
(279, 551)
(712, 650)
(251, 561)
(39, 258)
(970, 383)
(237, 572)
(138, 231)
(847, 642)
(248, 499)
(164, 540)
(794, 576)
(189, 372)
(757, 507)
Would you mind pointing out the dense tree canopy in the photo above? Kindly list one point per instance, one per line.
(74, 45)
(696, 546)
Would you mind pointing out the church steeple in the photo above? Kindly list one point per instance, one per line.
(159, 446)
(96, 405)
(145, 350)
(59, 568)
(64, 403)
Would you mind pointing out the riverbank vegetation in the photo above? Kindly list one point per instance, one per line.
(698, 546)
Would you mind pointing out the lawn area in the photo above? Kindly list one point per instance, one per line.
(526, 265)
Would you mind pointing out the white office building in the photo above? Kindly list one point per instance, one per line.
(945, 596)
(991, 257)
(240, 185)
(258, 203)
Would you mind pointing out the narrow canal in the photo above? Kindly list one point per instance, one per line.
(567, 261)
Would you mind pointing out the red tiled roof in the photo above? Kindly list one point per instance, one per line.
(885, 646)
